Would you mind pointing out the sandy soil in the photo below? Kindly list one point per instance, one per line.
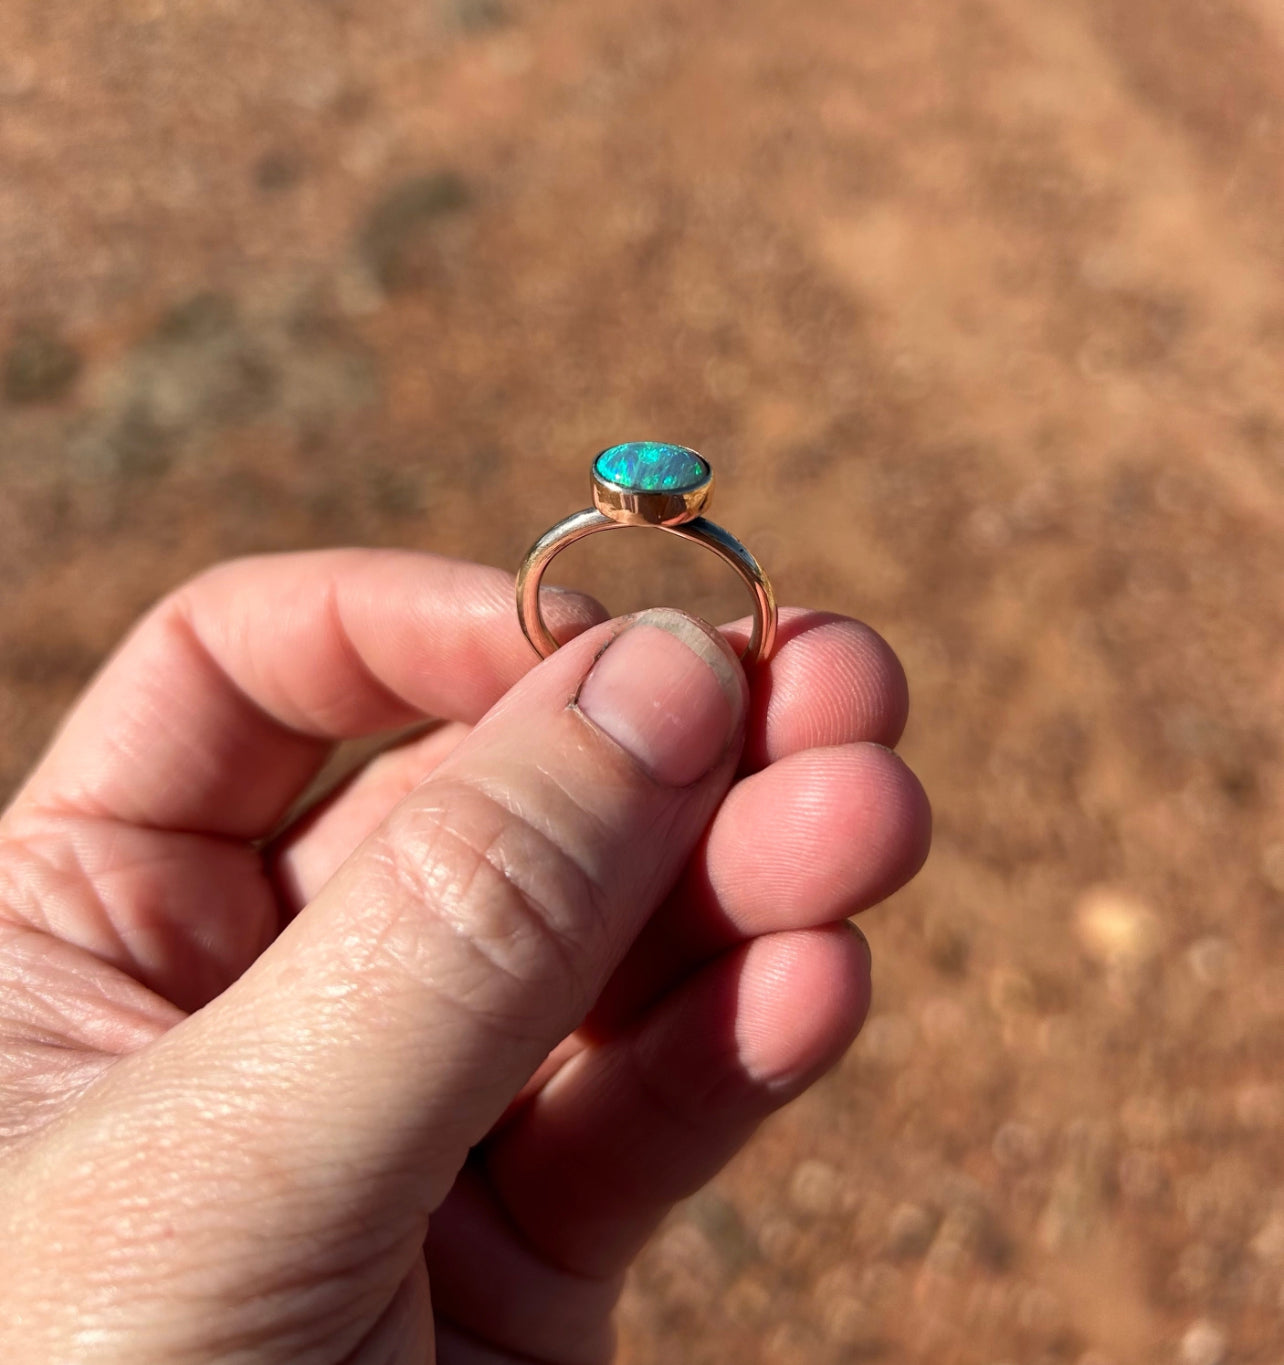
(978, 306)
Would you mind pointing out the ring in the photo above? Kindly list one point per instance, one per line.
(648, 483)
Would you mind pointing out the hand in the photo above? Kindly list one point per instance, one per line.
(480, 1017)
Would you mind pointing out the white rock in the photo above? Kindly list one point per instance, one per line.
(1204, 1343)
(1117, 929)
(815, 1189)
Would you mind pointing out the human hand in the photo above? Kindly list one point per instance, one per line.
(482, 1015)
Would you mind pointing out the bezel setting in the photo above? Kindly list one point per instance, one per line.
(652, 507)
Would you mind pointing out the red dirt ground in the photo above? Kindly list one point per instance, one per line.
(978, 306)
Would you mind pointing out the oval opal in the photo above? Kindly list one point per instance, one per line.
(651, 467)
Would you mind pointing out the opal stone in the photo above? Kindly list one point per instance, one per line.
(651, 467)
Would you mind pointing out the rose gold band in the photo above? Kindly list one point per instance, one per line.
(763, 635)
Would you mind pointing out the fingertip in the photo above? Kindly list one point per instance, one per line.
(832, 680)
(803, 998)
(907, 816)
(815, 837)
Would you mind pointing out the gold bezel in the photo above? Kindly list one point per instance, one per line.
(630, 507)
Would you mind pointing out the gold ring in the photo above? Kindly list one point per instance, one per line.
(648, 483)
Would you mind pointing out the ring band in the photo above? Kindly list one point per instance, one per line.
(647, 483)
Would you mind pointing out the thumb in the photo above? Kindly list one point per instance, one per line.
(391, 1023)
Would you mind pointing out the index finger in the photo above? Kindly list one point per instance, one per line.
(221, 705)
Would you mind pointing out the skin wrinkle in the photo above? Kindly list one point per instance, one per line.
(408, 860)
(124, 1233)
(171, 617)
(61, 882)
(355, 661)
(594, 897)
(182, 611)
(650, 833)
(120, 910)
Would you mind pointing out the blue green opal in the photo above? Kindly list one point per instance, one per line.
(651, 467)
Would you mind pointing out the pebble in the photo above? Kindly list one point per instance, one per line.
(1012, 992)
(1211, 960)
(944, 1021)
(815, 1189)
(948, 943)
(1199, 1268)
(849, 1322)
(1073, 1207)
(686, 1264)
(791, 1344)
(1141, 1177)
(1039, 1315)
(842, 1280)
(781, 1243)
(1015, 1146)
(910, 1230)
(748, 1302)
(1204, 1343)
(881, 1284)
(887, 1041)
(1117, 929)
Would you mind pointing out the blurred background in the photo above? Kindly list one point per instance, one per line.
(978, 308)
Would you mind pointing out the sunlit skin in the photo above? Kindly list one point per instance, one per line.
(477, 1020)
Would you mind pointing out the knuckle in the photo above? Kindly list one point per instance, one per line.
(514, 906)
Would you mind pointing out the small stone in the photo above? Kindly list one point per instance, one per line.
(1199, 1269)
(1204, 1343)
(1211, 960)
(781, 1243)
(1116, 929)
(1142, 1179)
(684, 1265)
(887, 1041)
(909, 1231)
(848, 1322)
(945, 1022)
(881, 1285)
(814, 1189)
(748, 1301)
(790, 1344)
(651, 467)
(1040, 1315)
(1015, 1146)
(1012, 993)
(948, 944)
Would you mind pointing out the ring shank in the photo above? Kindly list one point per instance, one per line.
(702, 532)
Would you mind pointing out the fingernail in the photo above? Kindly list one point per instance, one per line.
(666, 691)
